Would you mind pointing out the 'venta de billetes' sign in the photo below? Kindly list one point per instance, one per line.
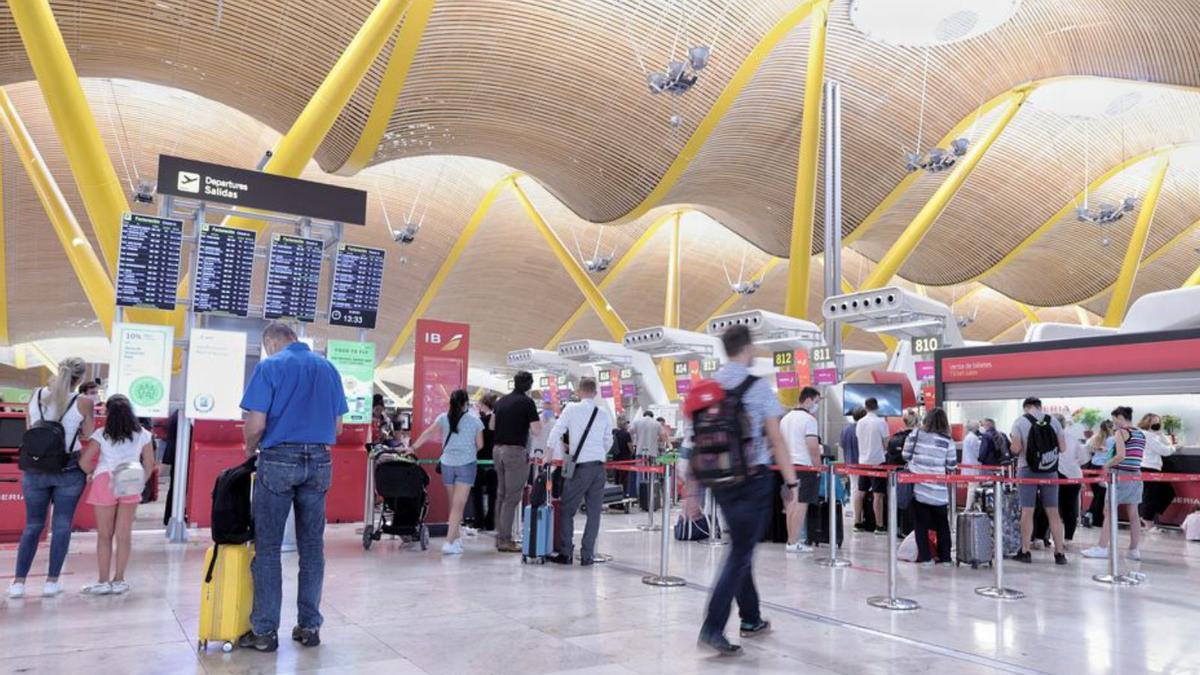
(254, 189)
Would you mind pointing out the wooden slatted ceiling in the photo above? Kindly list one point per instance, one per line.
(1167, 271)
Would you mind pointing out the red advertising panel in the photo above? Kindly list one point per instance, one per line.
(555, 394)
(803, 368)
(615, 385)
(440, 368)
(1118, 359)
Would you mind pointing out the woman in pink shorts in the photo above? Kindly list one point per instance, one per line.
(113, 455)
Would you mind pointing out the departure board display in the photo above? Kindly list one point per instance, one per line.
(224, 270)
(293, 275)
(357, 282)
(148, 261)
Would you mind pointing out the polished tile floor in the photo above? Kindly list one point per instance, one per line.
(398, 610)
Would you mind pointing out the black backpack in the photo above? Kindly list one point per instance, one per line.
(993, 448)
(1041, 448)
(722, 439)
(232, 519)
(894, 452)
(44, 446)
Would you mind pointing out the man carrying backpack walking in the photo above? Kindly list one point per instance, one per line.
(745, 499)
(1038, 441)
(295, 402)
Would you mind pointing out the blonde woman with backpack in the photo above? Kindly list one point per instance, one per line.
(53, 407)
(119, 459)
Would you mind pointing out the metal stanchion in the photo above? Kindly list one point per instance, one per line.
(662, 578)
(890, 601)
(831, 498)
(714, 523)
(650, 525)
(1114, 575)
(997, 589)
(953, 515)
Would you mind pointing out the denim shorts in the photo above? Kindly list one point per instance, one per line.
(1028, 492)
(463, 474)
(1129, 491)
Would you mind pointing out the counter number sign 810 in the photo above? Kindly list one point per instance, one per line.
(926, 345)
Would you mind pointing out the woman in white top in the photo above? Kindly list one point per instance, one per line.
(120, 453)
(1070, 465)
(1158, 496)
(54, 403)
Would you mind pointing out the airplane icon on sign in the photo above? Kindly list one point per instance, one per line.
(188, 182)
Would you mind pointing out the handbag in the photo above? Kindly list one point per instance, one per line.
(445, 442)
(568, 469)
(905, 491)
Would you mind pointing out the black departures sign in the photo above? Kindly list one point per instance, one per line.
(148, 261)
(224, 270)
(193, 179)
(357, 282)
(293, 275)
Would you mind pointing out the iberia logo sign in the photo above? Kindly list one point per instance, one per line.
(450, 345)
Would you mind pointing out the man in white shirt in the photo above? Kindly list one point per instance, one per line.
(872, 434)
(970, 455)
(801, 433)
(646, 433)
(589, 430)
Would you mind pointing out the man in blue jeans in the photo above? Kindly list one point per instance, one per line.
(747, 505)
(295, 404)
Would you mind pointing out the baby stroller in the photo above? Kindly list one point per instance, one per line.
(402, 498)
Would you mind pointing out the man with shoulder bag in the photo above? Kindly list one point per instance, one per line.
(589, 429)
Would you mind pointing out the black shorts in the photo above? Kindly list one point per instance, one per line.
(810, 486)
(872, 484)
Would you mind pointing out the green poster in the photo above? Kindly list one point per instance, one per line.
(355, 361)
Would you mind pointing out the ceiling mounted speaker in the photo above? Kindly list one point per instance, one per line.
(956, 26)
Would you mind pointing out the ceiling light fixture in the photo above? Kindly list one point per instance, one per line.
(929, 23)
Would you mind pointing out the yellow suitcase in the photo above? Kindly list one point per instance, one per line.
(226, 596)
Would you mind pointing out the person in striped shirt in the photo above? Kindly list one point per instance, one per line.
(1127, 458)
(931, 450)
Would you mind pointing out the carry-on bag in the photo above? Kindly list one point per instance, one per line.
(816, 522)
(974, 539)
(226, 595)
(692, 530)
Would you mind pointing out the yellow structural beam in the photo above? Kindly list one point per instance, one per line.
(1029, 313)
(99, 187)
(95, 282)
(595, 297)
(805, 200)
(1123, 289)
(1082, 315)
(451, 259)
(674, 292)
(1193, 280)
(612, 276)
(49, 363)
(3, 261)
(896, 256)
(416, 17)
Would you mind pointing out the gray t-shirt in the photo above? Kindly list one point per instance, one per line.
(1020, 430)
(646, 431)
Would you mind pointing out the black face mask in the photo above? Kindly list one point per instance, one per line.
(1155, 427)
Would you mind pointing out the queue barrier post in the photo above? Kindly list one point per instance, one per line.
(662, 578)
(997, 589)
(1114, 576)
(650, 525)
(952, 488)
(890, 601)
(831, 499)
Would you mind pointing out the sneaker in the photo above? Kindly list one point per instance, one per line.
(945, 563)
(267, 642)
(508, 547)
(559, 559)
(719, 643)
(926, 563)
(118, 587)
(469, 531)
(16, 590)
(1134, 554)
(1023, 556)
(881, 531)
(1094, 552)
(798, 547)
(862, 527)
(98, 588)
(1060, 558)
(51, 589)
(309, 637)
(754, 629)
(452, 547)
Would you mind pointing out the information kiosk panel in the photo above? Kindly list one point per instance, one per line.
(293, 275)
(357, 282)
(148, 261)
(224, 270)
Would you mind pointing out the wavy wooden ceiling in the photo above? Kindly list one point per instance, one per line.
(554, 89)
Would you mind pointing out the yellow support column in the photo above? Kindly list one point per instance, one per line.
(896, 256)
(1193, 280)
(1119, 302)
(608, 316)
(804, 205)
(99, 187)
(95, 282)
(456, 251)
(3, 261)
(671, 306)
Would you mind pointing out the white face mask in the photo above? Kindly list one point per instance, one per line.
(813, 408)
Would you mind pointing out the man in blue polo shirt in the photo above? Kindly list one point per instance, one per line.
(294, 404)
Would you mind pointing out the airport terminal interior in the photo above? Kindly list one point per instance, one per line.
(941, 214)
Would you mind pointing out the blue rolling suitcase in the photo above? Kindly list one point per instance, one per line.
(537, 524)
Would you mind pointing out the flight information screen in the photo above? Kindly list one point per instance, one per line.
(148, 261)
(357, 282)
(224, 270)
(293, 275)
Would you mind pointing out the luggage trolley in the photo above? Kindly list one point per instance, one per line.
(401, 498)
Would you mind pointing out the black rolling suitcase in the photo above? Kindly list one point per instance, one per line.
(816, 522)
